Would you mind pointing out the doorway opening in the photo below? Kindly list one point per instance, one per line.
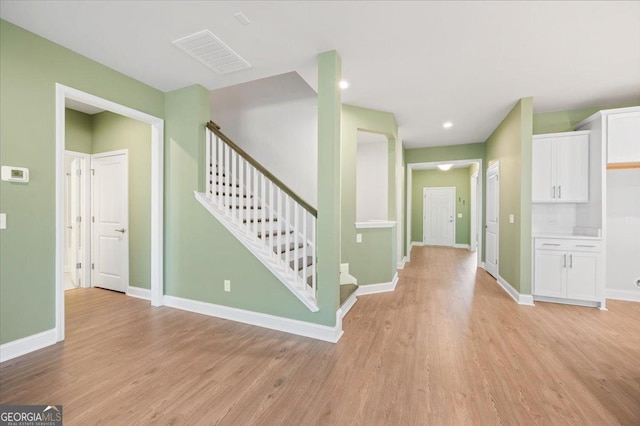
(458, 226)
(98, 195)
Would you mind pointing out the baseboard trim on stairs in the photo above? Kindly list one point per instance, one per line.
(378, 288)
(402, 262)
(287, 325)
(139, 292)
(27, 344)
(348, 304)
(521, 299)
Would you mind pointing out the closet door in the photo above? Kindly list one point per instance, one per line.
(623, 139)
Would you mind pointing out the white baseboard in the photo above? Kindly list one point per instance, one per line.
(348, 304)
(417, 243)
(521, 299)
(463, 246)
(301, 328)
(27, 344)
(378, 288)
(481, 265)
(626, 295)
(140, 293)
(564, 301)
(402, 262)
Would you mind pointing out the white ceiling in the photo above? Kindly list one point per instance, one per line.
(427, 62)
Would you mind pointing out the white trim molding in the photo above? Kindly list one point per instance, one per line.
(375, 224)
(417, 244)
(62, 93)
(521, 299)
(626, 295)
(402, 263)
(27, 344)
(462, 246)
(139, 292)
(348, 304)
(300, 328)
(378, 288)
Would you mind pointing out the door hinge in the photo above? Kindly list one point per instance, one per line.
(93, 266)
(93, 219)
(78, 218)
(78, 265)
(93, 172)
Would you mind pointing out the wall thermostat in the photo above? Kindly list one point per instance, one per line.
(15, 174)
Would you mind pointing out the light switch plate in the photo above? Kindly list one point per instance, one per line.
(512, 218)
(358, 238)
(3, 221)
(227, 285)
(459, 214)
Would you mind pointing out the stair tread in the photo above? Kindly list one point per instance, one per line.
(346, 290)
(268, 233)
(259, 220)
(300, 263)
(283, 247)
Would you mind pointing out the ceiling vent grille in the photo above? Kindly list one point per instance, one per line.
(212, 52)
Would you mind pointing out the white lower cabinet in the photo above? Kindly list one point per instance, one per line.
(568, 270)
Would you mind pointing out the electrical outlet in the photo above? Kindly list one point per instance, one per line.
(358, 238)
(227, 285)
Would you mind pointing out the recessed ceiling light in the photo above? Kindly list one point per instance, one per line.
(447, 124)
(344, 84)
(445, 167)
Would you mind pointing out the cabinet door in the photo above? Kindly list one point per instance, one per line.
(550, 273)
(582, 276)
(572, 168)
(623, 138)
(543, 172)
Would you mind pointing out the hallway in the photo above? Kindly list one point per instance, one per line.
(449, 346)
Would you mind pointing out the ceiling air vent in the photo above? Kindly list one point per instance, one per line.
(212, 52)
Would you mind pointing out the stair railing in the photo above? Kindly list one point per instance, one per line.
(266, 210)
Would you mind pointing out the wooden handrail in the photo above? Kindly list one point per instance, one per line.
(216, 130)
(619, 166)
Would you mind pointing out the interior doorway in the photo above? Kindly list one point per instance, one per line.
(64, 96)
(439, 209)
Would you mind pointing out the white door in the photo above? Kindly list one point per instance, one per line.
(550, 273)
(582, 276)
(74, 206)
(439, 211)
(572, 168)
(543, 170)
(492, 218)
(623, 133)
(110, 216)
(473, 238)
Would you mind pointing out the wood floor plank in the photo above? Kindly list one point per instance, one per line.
(447, 347)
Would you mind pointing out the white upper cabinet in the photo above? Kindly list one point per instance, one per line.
(560, 168)
(623, 136)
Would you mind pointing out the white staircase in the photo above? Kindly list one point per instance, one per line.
(269, 219)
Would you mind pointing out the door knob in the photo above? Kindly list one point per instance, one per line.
(121, 230)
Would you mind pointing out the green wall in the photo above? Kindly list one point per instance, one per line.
(510, 144)
(374, 259)
(111, 132)
(458, 178)
(106, 131)
(77, 132)
(29, 68)
(444, 153)
(565, 121)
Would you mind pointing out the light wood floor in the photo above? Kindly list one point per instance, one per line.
(447, 347)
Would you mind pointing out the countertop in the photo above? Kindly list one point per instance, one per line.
(566, 236)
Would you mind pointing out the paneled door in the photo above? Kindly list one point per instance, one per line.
(110, 220)
(492, 218)
(439, 212)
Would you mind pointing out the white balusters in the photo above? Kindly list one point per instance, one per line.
(259, 207)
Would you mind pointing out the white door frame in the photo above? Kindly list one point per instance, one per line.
(495, 169)
(85, 224)
(157, 189)
(474, 208)
(433, 164)
(124, 152)
(424, 212)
